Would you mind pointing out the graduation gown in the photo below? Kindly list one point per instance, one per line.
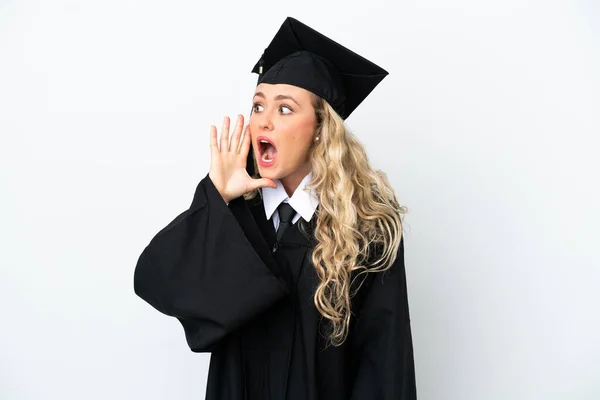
(249, 301)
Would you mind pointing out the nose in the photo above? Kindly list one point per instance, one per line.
(265, 123)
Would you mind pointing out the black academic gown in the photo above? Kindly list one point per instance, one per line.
(249, 301)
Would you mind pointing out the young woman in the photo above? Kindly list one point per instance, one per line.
(289, 264)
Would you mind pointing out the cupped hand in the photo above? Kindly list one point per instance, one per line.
(228, 162)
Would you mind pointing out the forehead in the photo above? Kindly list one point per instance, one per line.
(272, 90)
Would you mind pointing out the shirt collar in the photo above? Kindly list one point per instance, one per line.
(303, 201)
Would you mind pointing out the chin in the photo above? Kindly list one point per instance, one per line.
(269, 173)
(272, 172)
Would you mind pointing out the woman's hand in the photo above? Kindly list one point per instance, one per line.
(228, 162)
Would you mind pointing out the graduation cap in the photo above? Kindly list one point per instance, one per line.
(299, 55)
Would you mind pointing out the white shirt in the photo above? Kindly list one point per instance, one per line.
(303, 201)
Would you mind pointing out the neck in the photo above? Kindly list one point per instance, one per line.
(290, 183)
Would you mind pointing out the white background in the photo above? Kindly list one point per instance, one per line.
(487, 127)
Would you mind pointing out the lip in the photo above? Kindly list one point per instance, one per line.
(258, 148)
(259, 138)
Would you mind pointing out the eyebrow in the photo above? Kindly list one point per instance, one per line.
(279, 97)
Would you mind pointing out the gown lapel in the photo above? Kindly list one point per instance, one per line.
(295, 239)
(274, 344)
(252, 219)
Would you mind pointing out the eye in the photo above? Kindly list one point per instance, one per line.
(254, 107)
(286, 107)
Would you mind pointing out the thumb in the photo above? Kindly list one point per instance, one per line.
(262, 182)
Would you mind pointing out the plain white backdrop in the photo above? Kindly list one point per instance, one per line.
(487, 127)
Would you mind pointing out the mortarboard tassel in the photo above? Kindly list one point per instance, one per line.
(261, 63)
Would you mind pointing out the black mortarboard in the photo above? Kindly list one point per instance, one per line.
(299, 55)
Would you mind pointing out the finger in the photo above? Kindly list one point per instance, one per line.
(214, 146)
(225, 135)
(245, 148)
(237, 132)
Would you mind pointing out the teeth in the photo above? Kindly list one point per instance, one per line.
(265, 154)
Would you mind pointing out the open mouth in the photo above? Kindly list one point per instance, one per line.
(266, 149)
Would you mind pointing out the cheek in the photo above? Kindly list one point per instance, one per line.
(296, 143)
(254, 128)
(304, 135)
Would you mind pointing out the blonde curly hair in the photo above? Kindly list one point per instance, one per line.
(358, 212)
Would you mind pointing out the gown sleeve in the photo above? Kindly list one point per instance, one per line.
(202, 270)
(382, 341)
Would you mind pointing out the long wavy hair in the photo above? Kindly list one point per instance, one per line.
(359, 220)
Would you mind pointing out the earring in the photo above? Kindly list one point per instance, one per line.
(317, 138)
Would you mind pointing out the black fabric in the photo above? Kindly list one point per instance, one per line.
(286, 214)
(214, 269)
